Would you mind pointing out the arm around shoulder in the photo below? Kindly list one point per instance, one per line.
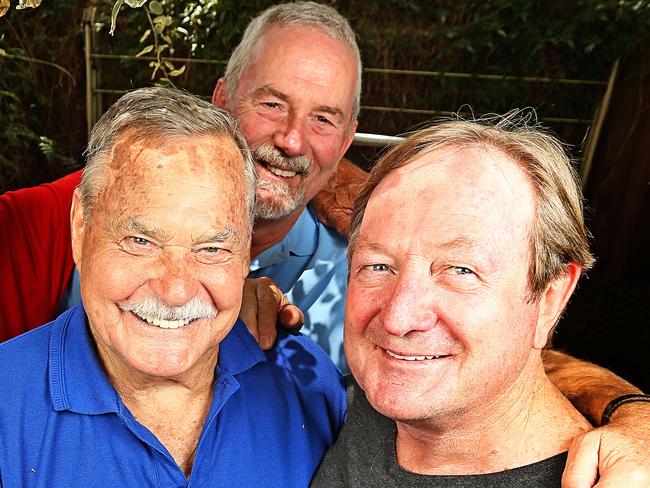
(614, 455)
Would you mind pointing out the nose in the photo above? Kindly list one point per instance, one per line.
(174, 276)
(410, 307)
(290, 137)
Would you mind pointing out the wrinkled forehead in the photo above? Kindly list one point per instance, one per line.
(142, 170)
(155, 160)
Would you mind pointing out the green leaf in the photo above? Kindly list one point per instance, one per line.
(116, 9)
(182, 31)
(145, 35)
(155, 70)
(2, 52)
(177, 72)
(169, 65)
(145, 50)
(135, 3)
(155, 7)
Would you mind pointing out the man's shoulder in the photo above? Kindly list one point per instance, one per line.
(24, 362)
(28, 349)
(363, 447)
(25, 359)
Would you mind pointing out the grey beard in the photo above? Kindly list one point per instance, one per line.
(282, 204)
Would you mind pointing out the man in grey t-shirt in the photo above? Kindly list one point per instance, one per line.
(453, 293)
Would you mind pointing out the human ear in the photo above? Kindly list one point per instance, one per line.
(553, 301)
(77, 226)
(219, 94)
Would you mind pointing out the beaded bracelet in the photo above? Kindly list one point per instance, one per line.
(621, 400)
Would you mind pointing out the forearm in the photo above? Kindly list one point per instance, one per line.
(589, 387)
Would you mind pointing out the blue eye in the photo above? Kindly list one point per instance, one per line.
(211, 249)
(322, 120)
(461, 270)
(140, 241)
(139, 246)
(212, 254)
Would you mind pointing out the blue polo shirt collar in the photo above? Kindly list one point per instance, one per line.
(300, 241)
(77, 379)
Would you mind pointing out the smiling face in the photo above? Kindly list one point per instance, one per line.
(437, 312)
(163, 258)
(294, 103)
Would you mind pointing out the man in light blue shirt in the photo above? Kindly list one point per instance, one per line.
(310, 266)
(298, 112)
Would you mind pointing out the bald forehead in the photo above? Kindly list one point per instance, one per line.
(453, 182)
(462, 168)
(315, 56)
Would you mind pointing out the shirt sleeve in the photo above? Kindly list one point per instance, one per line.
(35, 253)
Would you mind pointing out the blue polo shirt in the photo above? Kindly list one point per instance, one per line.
(62, 424)
(310, 266)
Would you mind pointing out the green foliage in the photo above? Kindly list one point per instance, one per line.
(561, 39)
(41, 119)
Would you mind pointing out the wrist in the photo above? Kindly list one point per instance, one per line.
(625, 405)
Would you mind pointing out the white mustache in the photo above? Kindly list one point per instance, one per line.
(154, 308)
(273, 156)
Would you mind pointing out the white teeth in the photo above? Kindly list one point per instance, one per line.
(281, 172)
(166, 324)
(410, 358)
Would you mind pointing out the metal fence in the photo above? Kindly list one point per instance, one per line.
(95, 93)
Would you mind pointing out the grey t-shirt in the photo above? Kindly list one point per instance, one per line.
(364, 456)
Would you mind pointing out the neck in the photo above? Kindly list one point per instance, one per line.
(530, 422)
(173, 409)
(268, 232)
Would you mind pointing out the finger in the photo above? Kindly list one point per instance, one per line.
(248, 310)
(582, 463)
(268, 303)
(291, 317)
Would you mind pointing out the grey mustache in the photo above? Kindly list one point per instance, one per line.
(155, 308)
(273, 156)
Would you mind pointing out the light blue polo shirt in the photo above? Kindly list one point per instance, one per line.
(310, 267)
(62, 424)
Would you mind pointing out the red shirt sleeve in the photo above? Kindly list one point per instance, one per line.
(35, 254)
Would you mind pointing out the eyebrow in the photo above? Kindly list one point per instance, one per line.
(227, 235)
(458, 243)
(134, 225)
(364, 243)
(461, 242)
(269, 90)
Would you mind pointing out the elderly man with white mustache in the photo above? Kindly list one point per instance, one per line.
(294, 85)
(152, 380)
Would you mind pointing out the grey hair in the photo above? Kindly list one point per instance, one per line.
(558, 236)
(158, 112)
(295, 14)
